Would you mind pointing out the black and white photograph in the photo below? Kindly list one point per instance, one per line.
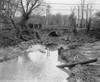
(49, 40)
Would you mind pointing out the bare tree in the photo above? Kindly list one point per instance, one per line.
(72, 22)
(88, 18)
(26, 8)
(8, 9)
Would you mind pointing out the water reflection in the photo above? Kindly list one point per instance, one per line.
(39, 68)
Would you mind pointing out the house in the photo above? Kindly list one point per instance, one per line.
(34, 23)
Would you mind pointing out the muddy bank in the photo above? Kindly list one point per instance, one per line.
(88, 72)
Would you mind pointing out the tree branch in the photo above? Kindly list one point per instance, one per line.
(22, 6)
(36, 7)
(27, 6)
(33, 6)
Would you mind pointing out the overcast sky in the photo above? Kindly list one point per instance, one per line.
(63, 9)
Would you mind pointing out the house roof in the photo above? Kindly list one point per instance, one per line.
(34, 20)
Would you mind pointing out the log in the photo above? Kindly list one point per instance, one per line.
(89, 61)
(74, 64)
(66, 65)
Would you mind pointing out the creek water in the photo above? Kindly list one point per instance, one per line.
(39, 67)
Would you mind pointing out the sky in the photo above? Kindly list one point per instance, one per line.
(66, 9)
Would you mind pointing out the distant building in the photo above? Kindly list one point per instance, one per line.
(34, 23)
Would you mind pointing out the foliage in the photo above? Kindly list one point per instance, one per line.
(96, 21)
(97, 14)
(57, 19)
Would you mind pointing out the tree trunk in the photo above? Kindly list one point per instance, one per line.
(24, 19)
(22, 24)
(89, 25)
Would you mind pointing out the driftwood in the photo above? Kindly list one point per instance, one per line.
(74, 64)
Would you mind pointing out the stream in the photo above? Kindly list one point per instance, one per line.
(39, 67)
